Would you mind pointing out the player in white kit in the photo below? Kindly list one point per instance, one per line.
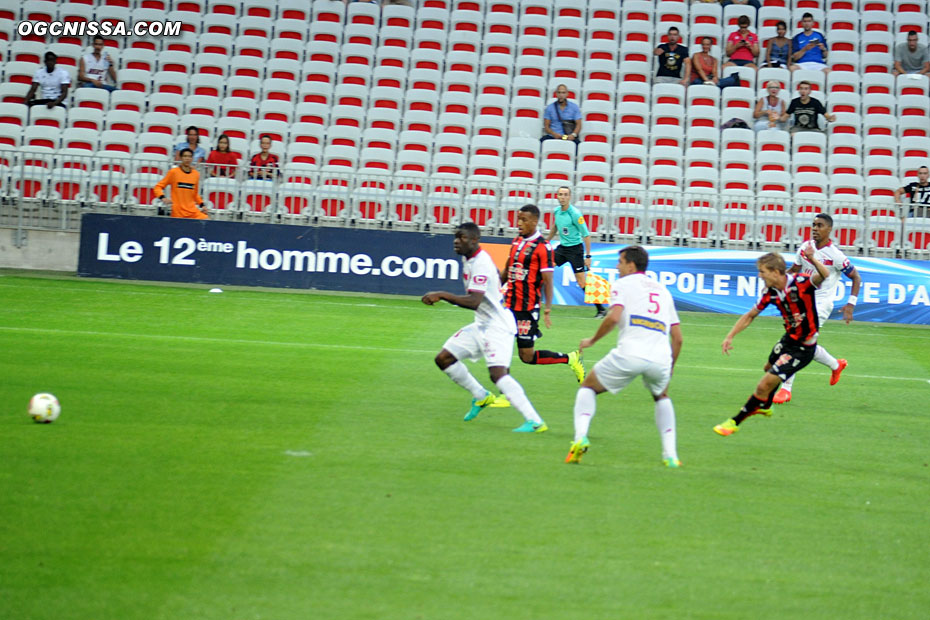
(491, 335)
(836, 263)
(646, 314)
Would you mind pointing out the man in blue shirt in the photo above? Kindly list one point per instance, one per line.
(810, 47)
(562, 118)
(569, 224)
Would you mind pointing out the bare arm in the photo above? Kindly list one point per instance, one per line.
(31, 92)
(61, 97)
(548, 294)
(822, 273)
(82, 77)
(849, 308)
(758, 111)
(675, 333)
(548, 129)
(577, 131)
(471, 300)
(741, 323)
(607, 325)
(687, 72)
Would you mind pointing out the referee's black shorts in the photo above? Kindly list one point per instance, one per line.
(573, 254)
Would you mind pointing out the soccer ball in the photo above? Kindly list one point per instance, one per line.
(44, 408)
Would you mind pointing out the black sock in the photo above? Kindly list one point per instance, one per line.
(599, 307)
(752, 405)
(549, 357)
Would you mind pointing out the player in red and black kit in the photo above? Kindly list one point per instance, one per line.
(528, 271)
(793, 295)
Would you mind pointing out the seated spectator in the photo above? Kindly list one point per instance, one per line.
(704, 68)
(809, 48)
(222, 162)
(911, 57)
(54, 82)
(769, 109)
(919, 193)
(778, 51)
(264, 165)
(562, 118)
(95, 68)
(185, 200)
(192, 143)
(742, 46)
(674, 64)
(805, 109)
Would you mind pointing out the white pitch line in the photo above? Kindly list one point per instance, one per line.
(349, 347)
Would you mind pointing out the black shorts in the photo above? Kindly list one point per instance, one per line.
(573, 254)
(789, 356)
(527, 328)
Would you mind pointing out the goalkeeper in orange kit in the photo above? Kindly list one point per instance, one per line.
(185, 200)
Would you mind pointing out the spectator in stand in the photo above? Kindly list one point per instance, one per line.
(911, 57)
(809, 48)
(54, 82)
(778, 49)
(95, 68)
(704, 68)
(919, 193)
(674, 64)
(192, 143)
(264, 165)
(742, 46)
(222, 162)
(562, 118)
(753, 3)
(770, 108)
(806, 109)
(185, 200)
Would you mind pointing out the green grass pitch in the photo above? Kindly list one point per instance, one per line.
(267, 454)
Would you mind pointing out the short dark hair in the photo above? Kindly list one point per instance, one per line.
(51, 55)
(98, 37)
(185, 150)
(637, 255)
(806, 15)
(781, 23)
(671, 29)
(707, 39)
(469, 229)
(922, 168)
(826, 218)
(802, 82)
(743, 19)
(912, 33)
(531, 209)
(265, 135)
(564, 187)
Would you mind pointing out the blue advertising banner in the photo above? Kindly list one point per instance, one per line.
(893, 291)
(276, 255)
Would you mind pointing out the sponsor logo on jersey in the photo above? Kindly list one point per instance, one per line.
(185, 185)
(644, 321)
(517, 272)
(479, 279)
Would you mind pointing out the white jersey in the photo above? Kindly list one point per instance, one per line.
(97, 69)
(648, 314)
(833, 259)
(50, 83)
(481, 275)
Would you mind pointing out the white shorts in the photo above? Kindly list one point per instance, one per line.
(812, 66)
(615, 372)
(471, 343)
(824, 310)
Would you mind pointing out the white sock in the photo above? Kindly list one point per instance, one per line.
(459, 373)
(787, 384)
(517, 397)
(665, 422)
(585, 406)
(821, 355)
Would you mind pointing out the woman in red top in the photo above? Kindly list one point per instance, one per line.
(704, 65)
(222, 162)
(264, 165)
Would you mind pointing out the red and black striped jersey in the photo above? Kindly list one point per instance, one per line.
(529, 258)
(797, 305)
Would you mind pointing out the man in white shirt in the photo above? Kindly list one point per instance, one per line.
(490, 336)
(836, 263)
(95, 68)
(53, 81)
(646, 314)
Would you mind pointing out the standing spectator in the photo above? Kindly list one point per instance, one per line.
(185, 200)
(809, 48)
(911, 57)
(222, 162)
(54, 82)
(264, 165)
(770, 108)
(674, 64)
(95, 68)
(778, 51)
(918, 192)
(806, 109)
(742, 46)
(192, 143)
(562, 118)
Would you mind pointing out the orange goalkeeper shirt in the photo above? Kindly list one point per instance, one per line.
(184, 195)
